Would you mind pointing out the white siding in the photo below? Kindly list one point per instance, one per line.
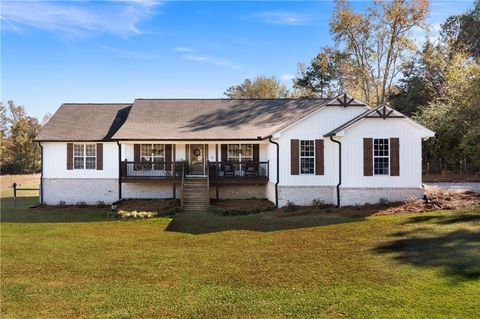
(55, 162)
(314, 127)
(410, 153)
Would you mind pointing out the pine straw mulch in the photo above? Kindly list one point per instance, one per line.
(438, 200)
(148, 205)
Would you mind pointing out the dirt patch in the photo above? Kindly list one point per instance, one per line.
(147, 205)
(242, 204)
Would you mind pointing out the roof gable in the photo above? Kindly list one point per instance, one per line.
(381, 112)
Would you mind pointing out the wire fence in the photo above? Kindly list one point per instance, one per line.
(460, 167)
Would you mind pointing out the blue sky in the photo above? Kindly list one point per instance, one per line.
(116, 51)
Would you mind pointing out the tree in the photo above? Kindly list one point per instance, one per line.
(377, 41)
(24, 154)
(4, 143)
(423, 80)
(261, 87)
(322, 77)
(455, 115)
(462, 32)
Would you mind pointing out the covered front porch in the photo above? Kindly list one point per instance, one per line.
(223, 163)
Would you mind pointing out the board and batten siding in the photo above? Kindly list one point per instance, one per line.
(312, 128)
(410, 153)
(55, 162)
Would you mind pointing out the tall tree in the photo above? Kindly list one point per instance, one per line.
(423, 80)
(322, 77)
(4, 143)
(24, 153)
(261, 87)
(462, 32)
(377, 41)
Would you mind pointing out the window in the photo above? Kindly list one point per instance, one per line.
(381, 156)
(84, 156)
(153, 153)
(307, 157)
(240, 152)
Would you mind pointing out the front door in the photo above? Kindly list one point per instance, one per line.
(197, 159)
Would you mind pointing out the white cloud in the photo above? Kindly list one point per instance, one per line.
(287, 77)
(211, 60)
(137, 55)
(282, 18)
(78, 18)
(183, 49)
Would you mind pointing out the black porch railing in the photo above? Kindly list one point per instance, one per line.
(151, 170)
(238, 170)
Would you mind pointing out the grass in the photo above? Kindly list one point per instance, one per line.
(65, 263)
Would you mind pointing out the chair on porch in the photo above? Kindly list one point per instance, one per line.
(251, 169)
(228, 169)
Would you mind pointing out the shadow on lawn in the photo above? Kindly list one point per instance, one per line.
(204, 223)
(456, 252)
(68, 214)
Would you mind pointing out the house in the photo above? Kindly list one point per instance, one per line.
(339, 150)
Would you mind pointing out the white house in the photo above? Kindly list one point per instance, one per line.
(339, 150)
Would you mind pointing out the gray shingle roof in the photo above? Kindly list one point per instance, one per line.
(189, 119)
(84, 122)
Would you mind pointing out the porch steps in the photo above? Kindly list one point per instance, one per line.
(195, 193)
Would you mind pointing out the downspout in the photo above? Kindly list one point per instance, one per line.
(119, 171)
(41, 172)
(339, 168)
(278, 170)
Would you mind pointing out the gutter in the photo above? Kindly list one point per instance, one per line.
(339, 168)
(41, 172)
(278, 170)
(119, 171)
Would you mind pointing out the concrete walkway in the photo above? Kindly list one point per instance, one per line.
(467, 186)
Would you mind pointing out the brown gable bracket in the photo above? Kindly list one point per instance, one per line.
(384, 113)
(345, 101)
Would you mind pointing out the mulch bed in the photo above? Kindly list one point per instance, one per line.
(148, 205)
(438, 200)
(242, 204)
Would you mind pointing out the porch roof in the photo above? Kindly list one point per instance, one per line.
(212, 119)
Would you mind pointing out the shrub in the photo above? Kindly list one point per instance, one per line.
(319, 203)
(81, 204)
(62, 203)
(135, 214)
(291, 206)
(101, 204)
(260, 210)
(216, 211)
(383, 201)
(174, 210)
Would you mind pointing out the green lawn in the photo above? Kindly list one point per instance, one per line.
(81, 264)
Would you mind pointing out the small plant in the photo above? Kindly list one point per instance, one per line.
(81, 204)
(174, 210)
(62, 203)
(383, 201)
(101, 204)
(216, 211)
(319, 203)
(265, 209)
(291, 206)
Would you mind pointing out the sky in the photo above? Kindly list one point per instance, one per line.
(115, 51)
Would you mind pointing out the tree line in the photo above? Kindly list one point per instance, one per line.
(19, 154)
(377, 59)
